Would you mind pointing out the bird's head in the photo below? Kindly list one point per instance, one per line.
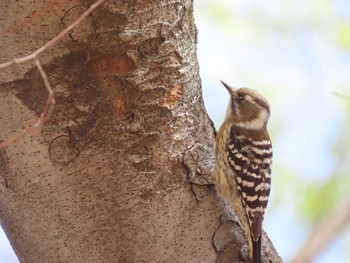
(247, 108)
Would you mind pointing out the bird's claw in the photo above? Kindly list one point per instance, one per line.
(196, 174)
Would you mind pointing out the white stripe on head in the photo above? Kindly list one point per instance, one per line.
(256, 123)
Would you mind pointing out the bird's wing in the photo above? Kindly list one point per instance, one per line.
(251, 162)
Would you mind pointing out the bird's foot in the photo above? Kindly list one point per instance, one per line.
(196, 173)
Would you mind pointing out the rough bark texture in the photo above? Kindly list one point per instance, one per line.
(104, 180)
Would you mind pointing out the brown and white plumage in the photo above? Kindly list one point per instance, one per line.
(243, 163)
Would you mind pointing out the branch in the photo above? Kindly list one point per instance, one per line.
(50, 102)
(341, 95)
(324, 233)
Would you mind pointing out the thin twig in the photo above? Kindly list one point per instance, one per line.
(54, 40)
(45, 114)
(50, 101)
(35, 15)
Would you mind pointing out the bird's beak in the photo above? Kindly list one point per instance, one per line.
(230, 89)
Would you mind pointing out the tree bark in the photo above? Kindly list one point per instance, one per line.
(104, 179)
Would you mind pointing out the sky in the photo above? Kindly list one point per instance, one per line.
(290, 52)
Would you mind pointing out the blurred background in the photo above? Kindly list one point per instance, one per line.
(297, 54)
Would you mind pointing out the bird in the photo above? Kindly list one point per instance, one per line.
(243, 151)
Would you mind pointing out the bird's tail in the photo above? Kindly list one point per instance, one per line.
(257, 250)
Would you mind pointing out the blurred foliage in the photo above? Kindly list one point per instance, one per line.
(343, 35)
(322, 196)
(217, 11)
(285, 18)
(316, 198)
(307, 44)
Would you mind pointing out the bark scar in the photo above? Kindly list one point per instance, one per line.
(173, 96)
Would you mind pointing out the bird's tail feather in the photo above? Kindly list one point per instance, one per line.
(257, 250)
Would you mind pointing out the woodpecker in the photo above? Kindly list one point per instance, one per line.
(243, 162)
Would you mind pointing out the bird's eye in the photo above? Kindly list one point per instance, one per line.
(240, 98)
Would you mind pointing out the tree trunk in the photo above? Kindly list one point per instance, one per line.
(103, 180)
